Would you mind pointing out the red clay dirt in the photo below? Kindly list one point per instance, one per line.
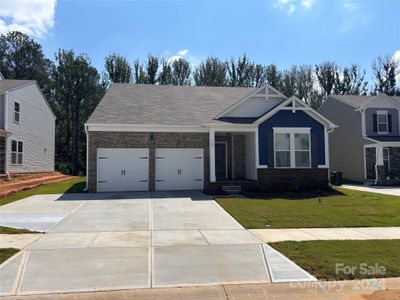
(22, 182)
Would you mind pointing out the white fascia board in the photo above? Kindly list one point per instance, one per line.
(234, 128)
(145, 127)
(278, 94)
(291, 129)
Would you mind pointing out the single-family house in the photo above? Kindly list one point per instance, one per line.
(155, 138)
(27, 128)
(366, 146)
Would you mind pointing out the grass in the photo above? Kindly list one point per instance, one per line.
(346, 209)
(10, 230)
(320, 257)
(6, 253)
(76, 185)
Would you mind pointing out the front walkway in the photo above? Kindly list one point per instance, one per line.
(313, 234)
(385, 190)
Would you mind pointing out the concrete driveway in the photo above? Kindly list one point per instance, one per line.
(385, 190)
(121, 241)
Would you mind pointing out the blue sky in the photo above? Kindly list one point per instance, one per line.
(284, 32)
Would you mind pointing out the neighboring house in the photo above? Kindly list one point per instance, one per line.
(366, 146)
(27, 128)
(152, 137)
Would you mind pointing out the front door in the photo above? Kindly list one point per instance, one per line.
(220, 161)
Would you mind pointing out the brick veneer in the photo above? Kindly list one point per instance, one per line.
(106, 139)
(276, 180)
(2, 155)
(370, 161)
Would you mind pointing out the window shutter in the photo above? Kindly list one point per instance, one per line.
(375, 119)
(390, 122)
(314, 150)
(270, 150)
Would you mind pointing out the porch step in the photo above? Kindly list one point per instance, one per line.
(232, 189)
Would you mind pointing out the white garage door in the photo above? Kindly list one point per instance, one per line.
(122, 169)
(179, 169)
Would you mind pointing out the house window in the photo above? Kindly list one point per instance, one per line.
(382, 122)
(292, 148)
(386, 161)
(17, 149)
(16, 112)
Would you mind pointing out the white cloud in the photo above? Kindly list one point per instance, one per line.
(306, 3)
(350, 6)
(291, 5)
(178, 55)
(33, 17)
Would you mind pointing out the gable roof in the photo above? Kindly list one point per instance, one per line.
(164, 104)
(361, 101)
(10, 84)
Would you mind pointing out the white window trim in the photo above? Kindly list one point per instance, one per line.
(19, 112)
(292, 132)
(385, 113)
(17, 152)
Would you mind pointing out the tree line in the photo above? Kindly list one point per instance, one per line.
(73, 86)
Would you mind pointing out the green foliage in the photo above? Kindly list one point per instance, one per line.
(180, 72)
(22, 58)
(6, 253)
(385, 70)
(211, 72)
(77, 91)
(118, 68)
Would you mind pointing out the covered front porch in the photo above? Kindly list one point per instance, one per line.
(382, 163)
(233, 157)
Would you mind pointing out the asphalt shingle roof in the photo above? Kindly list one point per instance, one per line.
(164, 104)
(9, 84)
(358, 101)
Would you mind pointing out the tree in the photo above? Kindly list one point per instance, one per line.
(22, 58)
(211, 72)
(180, 72)
(140, 74)
(152, 69)
(164, 78)
(288, 83)
(326, 75)
(77, 91)
(273, 76)
(240, 72)
(304, 83)
(385, 70)
(351, 81)
(259, 75)
(118, 68)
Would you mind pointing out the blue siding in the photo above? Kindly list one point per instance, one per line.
(286, 118)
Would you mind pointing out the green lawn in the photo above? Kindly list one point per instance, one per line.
(350, 209)
(10, 230)
(76, 185)
(320, 257)
(6, 253)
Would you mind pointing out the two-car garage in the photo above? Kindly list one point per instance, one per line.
(129, 169)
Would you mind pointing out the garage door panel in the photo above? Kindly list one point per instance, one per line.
(122, 169)
(179, 168)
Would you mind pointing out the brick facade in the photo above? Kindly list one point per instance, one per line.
(370, 162)
(2, 155)
(276, 180)
(108, 139)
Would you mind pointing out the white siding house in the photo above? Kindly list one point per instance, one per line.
(29, 128)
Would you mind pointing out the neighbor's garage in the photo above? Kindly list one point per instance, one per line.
(122, 169)
(179, 169)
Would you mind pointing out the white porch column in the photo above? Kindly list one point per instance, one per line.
(379, 155)
(212, 154)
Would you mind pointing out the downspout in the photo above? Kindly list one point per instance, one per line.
(87, 156)
(6, 138)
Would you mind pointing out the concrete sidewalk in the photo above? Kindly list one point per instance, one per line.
(385, 190)
(371, 289)
(312, 234)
